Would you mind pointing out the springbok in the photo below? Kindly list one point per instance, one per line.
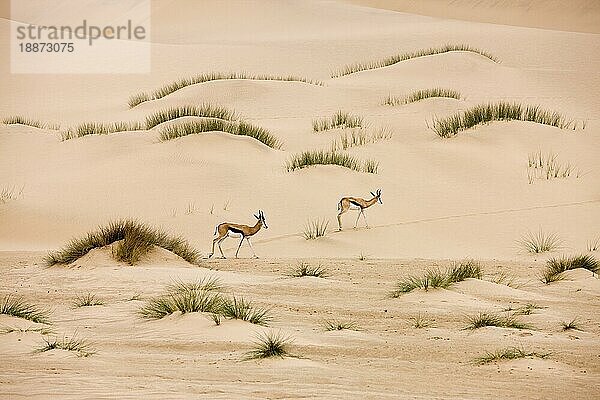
(222, 231)
(346, 204)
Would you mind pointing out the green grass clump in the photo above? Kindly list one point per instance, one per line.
(99, 128)
(20, 120)
(502, 111)
(137, 239)
(238, 308)
(20, 308)
(314, 229)
(204, 111)
(325, 157)
(363, 66)
(555, 267)
(87, 300)
(269, 345)
(509, 353)
(539, 242)
(418, 95)
(209, 125)
(82, 347)
(489, 319)
(305, 269)
(340, 119)
(436, 278)
(339, 325)
(169, 88)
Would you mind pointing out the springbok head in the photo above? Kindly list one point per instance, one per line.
(261, 217)
(378, 195)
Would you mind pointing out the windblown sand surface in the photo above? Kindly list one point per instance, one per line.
(443, 199)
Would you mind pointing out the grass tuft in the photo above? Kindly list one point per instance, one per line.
(204, 111)
(527, 309)
(502, 111)
(363, 66)
(324, 157)
(419, 95)
(340, 119)
(539, 242)
(420, 321)
(360, 137)
(211, 283)
(509, 353)
(572, 325)
(238, 308)
(171, 87)
(594, 244)
(99, 128)
(20, 120)
(339, 325)
(436, 278)
(137, 239)
(184, 300)
(304, 269)
(87, 300)
(82, 347)
(488, 319)
(18, 307)
(314, 229)
(555, 267)
(211, 125)
(269, 345)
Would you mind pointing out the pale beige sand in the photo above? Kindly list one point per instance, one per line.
(185, 356)
(467, 196)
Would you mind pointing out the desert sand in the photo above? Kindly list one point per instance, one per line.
(444, 200)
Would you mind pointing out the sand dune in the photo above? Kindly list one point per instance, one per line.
(472, 195)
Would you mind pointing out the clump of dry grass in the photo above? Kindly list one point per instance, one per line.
(269, 345)
(420, 321)
(490, 319)
(20, 308)
(20, 120)
(555, 267)
(340, 119)
(219, 125)
(82, 347)
(360, 137)
(539, 242)
(137, 240)
(324, 157)
(363, 66)
(315, 228)
(419, 95)
(509, 353)
(502, 111)
(572, 325)
(205, 111)
(305, 269)
(339, 325)
(87, 300)
(100, 128)
(169, 88)
(547, 166)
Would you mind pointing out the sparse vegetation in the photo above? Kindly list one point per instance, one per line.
(420, 321)
(305, 269)
(87, 300)
(338, 325)
(594, 244)
(324, 157)
(169, 88)
(20, 308)
(99, 128)
(572, 325)
(436, 278)
(138, 238)
(539, 242)
(238, 308)
(340, 119)
(315, 228)
(184, 300)
(216, 318)
(80, 346)
(204, 111)
(547, 166)
(363, 66)
(419, 95)
(360, 137)
(502, 111)
(40, 329)
(20, 120)
(207, 283)
(489, 319)
(503, 278)
(555, 267)
(269, 345)
(211, 125)
(509, 353)
(527, 309)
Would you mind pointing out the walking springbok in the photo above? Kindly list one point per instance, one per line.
(346, 204)
(225, 229)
